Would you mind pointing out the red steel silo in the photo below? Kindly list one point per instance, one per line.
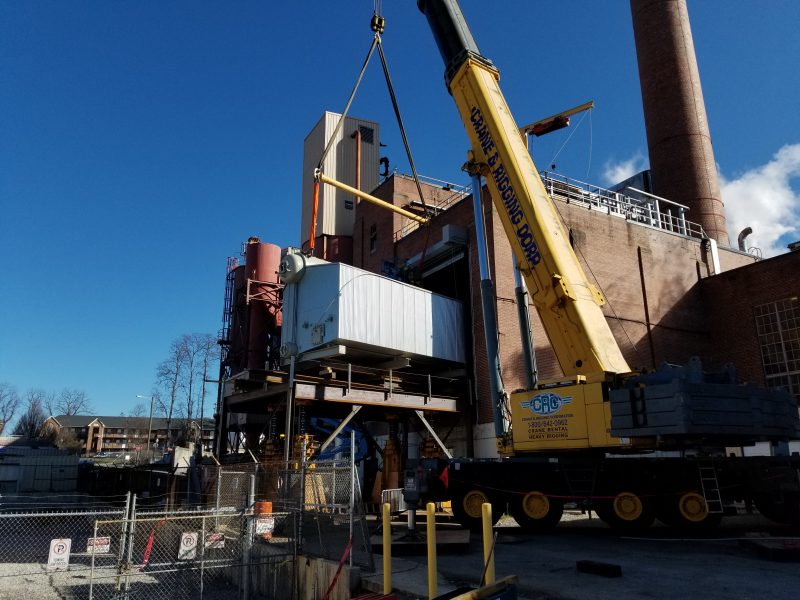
(261, 270)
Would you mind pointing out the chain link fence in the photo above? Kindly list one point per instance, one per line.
(237, 536)
(46, 552)
(172, 556)
(333, 521)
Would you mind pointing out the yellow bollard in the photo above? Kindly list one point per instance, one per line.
(387, 549)
(432, 570)
(488, 543)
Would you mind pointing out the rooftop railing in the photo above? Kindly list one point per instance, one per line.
(633, 205)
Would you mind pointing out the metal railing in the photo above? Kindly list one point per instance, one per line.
(638, 206)
(635, 206)
(436, 205)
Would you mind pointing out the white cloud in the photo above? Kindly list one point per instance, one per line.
(763, 198)
(615, 172)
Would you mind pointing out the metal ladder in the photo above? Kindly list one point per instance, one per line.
(710, 485)
(581, 480)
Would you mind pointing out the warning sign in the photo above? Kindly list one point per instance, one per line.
(188, 549)
(264, 525)
(58, 560)
(215, 540)
(98, 545)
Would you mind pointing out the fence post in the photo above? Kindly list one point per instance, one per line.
(301, 512)
(248, 541)
(219, 487)
(352, 487)
(131, 532)
(216, 502)
(202, 543)
(91, 572)
(123, 538)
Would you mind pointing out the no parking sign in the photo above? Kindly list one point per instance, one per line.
(58, 560)
(188, 549)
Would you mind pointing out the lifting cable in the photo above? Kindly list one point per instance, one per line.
(313, 233)
(569, 137)
(377, 24)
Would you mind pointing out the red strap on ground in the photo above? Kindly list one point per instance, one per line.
(339, 570)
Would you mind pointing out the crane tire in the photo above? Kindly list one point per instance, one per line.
(536, 511)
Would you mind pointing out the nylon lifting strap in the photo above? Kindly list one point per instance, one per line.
(377, 24)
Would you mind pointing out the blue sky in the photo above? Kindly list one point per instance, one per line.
(141, 142)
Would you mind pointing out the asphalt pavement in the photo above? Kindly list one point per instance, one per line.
(658, 563)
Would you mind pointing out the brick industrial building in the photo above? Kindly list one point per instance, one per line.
(665, 302)
(658, 250)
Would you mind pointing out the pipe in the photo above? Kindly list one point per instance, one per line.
(287, 441)
(523, 314)
(496, 390)
(432, 570)
(357, 136)
(313, 233)
(364, 196)
(742, 235)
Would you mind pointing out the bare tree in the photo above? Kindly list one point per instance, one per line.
(138, 410)
(209, 355)
(49, 402)
(200, 350)
(191, 352)
(168, 374)
(159, 405)
(73, 402)
(9, 403)
(31, 421)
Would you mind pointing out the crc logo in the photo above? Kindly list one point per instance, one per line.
(547, 403)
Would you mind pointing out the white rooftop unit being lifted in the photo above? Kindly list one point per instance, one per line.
(331, 309)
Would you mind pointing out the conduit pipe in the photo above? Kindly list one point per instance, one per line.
(357, 136)
(489, 318)
(313, 233)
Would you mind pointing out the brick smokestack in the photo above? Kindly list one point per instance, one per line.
(679, 143)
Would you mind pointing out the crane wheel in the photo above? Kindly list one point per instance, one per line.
(626, 510)
(535, 511)
(467, 509)
(693, 508)
(688, 511)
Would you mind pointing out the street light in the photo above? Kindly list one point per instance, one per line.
(149, 427)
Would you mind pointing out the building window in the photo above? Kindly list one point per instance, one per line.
(373, 238)
(778, 328)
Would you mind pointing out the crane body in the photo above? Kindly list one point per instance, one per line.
(574, 439)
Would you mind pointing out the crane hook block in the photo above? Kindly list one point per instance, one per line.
(378, 23)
